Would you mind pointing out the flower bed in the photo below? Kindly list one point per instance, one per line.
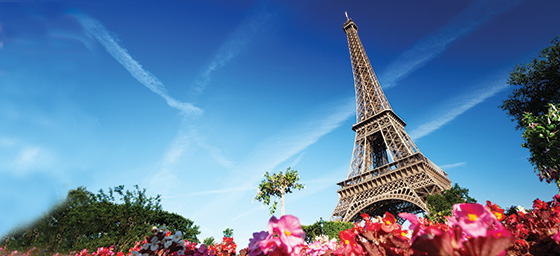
(474, 229)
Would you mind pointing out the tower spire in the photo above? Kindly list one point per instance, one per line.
(370, 98)
(387, 172)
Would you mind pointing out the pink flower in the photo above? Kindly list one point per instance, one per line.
(289, 231)
(320, 246)
(494, 243)
(82, 253)
(474, 219)
(285, 236)
(103, 251)
(270, 245)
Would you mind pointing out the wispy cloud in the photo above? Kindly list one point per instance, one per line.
(476, 14)
(458, 107)
(277, 149)
(1, 36)
(181, 147)
(30, 158)
(96, 30)
(234, 44)
(450, 166)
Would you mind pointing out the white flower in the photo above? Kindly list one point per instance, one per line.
(146, 246)
(135, 253)
(177, 236)
(154, 247)
(164, 229)
(154, 240)
(167, 244)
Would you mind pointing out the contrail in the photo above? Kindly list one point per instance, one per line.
(242, 35)
(450, 113)
(433, 45)
(449, 166)
(96, 30)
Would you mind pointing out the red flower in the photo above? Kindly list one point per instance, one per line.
(348, 245)
(496, 210)
(539, 205)
(389, 223)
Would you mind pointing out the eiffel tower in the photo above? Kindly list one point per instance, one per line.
(387, 171)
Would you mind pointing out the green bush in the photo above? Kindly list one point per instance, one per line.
(330, 228)
(87, 220)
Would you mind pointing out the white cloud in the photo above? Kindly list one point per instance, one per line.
(33, 158)
(7, 142)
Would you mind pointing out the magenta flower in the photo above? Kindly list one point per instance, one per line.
(556, 237)
(254, 243)
(474, 219)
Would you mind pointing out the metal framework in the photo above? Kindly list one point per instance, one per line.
(387, 171)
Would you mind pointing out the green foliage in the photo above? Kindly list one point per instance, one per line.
(87, 220)
(541, 138)
(277, 185)
(330, 228)
(537, 84)
(209, 241)
(440, 205)
(228, 232)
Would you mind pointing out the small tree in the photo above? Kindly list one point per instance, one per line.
(277, 185)
(440, 205)
(228, 232)
(209, 241)
(541, 138)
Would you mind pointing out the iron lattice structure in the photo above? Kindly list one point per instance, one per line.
(387, 171)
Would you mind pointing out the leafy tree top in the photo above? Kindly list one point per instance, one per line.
(277, 185)
(228, 232)
(536, 83)
(541, 138)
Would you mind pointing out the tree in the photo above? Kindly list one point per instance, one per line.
(228, 232)
(440, 205)
(541, 138)
(209, 241)
(88, 220)
(536, 85)
(277, 185)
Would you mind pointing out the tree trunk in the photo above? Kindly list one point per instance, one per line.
(282, 209)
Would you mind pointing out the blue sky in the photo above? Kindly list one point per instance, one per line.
(195, 100)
